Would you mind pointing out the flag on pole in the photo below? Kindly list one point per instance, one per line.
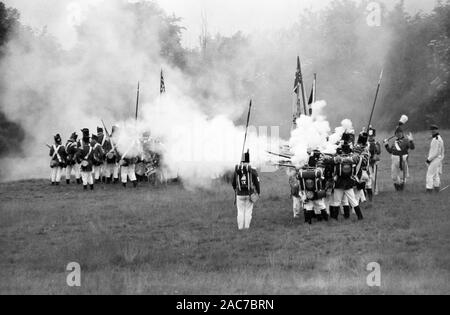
(298, 77)
(162, 88)
(299, 86)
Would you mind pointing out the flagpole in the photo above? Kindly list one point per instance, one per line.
(137, 101)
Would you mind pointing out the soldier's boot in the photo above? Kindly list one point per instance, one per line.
(108, 180)
(334, 213)
(359, 213)
(53, 183)
(135, 184)
(68, 181)
(124, 185)
(397, 187)
(92, 187)
(319, 217)
(402, 186)
(57, 183)
(370, 194)
(305, 214)
(308, 217)
(79, 181)
(324, 215)
(347, 212)
(85, 187)
(429, 191)
(116, 181)
(437, 189)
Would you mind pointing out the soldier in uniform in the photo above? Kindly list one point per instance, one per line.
(128, 167)
(375, 152)
(105, 145)
(98, 158)
(400, 153)
(85, 156)
(312, 188)
(57, 162)
(246, 185)
(435, 160)
(295, 193)
(362, 169)
(71, 163)
(345, 168)
(112, 159)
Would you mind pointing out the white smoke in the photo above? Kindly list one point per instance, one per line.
(49, 90)
(313, 133)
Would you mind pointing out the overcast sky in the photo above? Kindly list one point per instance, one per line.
(224, 16)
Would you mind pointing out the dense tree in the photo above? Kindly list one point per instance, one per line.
(11, 135)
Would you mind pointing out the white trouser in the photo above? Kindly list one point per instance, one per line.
(245, 212)
(97, 171)
(399, 176)
(296, 206)
(76, 168)
(55, 175)
(434, 174)
(128, 171)
(373, 179)
(88, 178)
(339, 194)
(360, 196)
(315, 205)
(111, 169)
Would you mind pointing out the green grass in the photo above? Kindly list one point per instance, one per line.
(172, 241)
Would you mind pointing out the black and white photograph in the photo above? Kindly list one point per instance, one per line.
(224, 153)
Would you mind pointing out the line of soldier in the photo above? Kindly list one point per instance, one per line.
(96, 159)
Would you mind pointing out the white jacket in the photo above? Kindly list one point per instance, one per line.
(437, 149)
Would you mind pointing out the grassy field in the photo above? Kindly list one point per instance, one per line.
(172, 241)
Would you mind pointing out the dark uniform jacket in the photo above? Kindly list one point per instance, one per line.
(71, 151)
(254, 177)
(58, 158)
(400, 147)
(85, 154)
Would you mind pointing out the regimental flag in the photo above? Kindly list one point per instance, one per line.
(298, 77)
(162, 88)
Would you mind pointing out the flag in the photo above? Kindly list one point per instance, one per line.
(298, 77)
(162, 88)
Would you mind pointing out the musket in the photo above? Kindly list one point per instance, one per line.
(285, 165)
(106, 130)
(376, 179)
(48, 146)
(376, 98)
(279, 155)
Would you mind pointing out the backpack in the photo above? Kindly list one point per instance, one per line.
(346, 168)
(244, 179)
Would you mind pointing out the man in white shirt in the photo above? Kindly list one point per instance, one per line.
(434, 161)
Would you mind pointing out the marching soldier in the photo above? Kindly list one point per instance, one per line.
(58, 158)
(98, 156)
(435, 160)
(375, 152)
(247, 189)
(71, 163)
(400, 153)
(345, 169)
(85, 156)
